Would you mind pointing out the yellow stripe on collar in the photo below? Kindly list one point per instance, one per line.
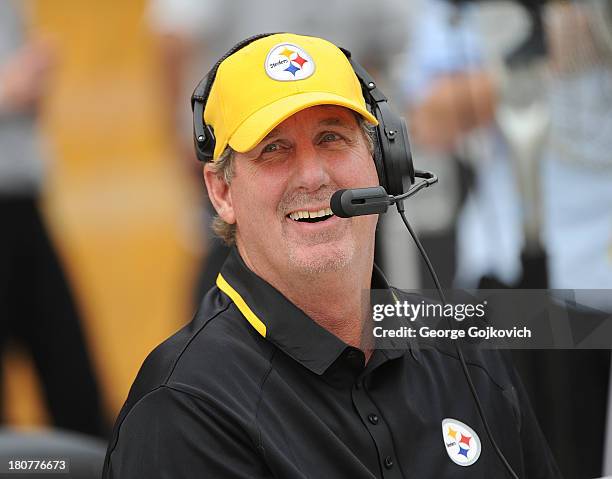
(240, 303)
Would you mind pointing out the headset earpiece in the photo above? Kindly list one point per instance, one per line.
(203, 134)
(393, 156)
(394, 147)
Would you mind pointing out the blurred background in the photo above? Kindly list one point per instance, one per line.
(106, 249)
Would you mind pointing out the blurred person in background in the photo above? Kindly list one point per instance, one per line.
(454, 95)
(37, 307)
(451, 94)
(455, 106)
(193, 34)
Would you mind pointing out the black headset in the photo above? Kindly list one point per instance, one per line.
(392, 154)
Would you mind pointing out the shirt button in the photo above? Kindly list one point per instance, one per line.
(373, 418)
(388, 462)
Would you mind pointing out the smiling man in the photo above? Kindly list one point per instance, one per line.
(277, 375)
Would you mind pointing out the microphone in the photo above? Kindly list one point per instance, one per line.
(360, 201)
(374, 200)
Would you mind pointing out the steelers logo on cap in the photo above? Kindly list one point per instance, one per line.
(288, 62)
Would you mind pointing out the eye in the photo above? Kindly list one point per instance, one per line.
(329, 137)
(273, 151)
(272, 147)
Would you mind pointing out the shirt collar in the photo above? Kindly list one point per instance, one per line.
(281, 322)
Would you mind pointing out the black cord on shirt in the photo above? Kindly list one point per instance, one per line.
(468, 377)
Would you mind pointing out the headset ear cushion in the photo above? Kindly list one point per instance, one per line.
(409, 165)
(379, 160)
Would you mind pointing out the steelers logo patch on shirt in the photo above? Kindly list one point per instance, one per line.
(462, 443)
(288, 62)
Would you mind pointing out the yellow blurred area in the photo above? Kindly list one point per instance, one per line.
(118, 201)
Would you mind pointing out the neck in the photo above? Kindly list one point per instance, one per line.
(336, 303)
(333, 299)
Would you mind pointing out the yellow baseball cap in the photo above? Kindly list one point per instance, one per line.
(266, 82)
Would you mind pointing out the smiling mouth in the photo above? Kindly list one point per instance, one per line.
(304, 216)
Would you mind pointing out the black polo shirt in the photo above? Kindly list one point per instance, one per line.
(253, 388)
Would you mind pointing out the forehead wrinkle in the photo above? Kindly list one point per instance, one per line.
(331, 121)
(346, 123)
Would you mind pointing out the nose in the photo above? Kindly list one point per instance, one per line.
(311, 169)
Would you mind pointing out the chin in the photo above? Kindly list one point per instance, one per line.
(321, 258)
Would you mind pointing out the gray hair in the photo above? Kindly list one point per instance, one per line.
(224, 169)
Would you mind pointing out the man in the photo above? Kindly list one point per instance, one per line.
(277, 375)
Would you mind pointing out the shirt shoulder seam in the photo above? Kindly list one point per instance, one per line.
(193, 336)
(120, 425)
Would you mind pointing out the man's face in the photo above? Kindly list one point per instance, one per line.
(280, 195)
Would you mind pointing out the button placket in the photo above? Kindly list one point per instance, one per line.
(378, 429)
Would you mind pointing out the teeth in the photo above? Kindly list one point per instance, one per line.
(296, 215)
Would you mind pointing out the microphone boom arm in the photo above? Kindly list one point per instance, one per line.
(429, 179)
(375, 200)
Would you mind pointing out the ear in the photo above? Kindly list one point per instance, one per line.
(219, 194)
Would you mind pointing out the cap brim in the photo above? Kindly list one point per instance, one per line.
(259, 124)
